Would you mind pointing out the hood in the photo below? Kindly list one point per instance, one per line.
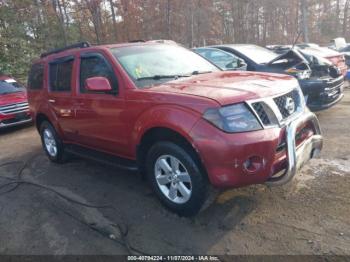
(321, 51)
(230, 87)
(291, 56)
(321, 67)
(13, 98)
(333, 56)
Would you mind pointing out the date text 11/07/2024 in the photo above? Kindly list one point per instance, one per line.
(173, 258)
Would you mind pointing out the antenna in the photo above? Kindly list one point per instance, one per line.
(296, 39)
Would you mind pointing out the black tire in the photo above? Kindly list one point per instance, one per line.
(60, 156)
(199, 181)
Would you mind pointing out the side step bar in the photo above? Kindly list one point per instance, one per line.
(102, 158)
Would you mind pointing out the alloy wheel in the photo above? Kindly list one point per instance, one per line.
(50, 142)
(173, 179)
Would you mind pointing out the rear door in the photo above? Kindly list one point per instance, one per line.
(100, 115)
(60, 93)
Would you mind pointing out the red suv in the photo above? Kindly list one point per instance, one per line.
(14, 108)
(169, 113)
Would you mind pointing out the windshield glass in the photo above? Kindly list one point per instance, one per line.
(256, 53)
(8, 87)
(156, 64)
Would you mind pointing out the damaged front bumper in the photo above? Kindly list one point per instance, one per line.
(297, 157)
(322, 94)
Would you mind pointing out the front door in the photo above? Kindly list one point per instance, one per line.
(99, 115)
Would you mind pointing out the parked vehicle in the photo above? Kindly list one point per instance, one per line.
(222, 59)
(321, 82)
(344, 49)
(14, 108)
(338, 43)
(306, 45)
(336, 58)
(167, 112)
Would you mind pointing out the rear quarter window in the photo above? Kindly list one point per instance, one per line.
(36, 77)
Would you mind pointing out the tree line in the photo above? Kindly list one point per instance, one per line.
(30, 27)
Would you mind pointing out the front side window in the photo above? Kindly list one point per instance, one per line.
(36, 77)
(93, 65)
(220, 58)
(154, 64)
(61, 74)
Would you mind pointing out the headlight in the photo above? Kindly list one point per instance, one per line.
(300, 74)
(233, 118)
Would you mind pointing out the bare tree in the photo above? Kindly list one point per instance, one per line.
(94, 7)
(59, 14)
(304, 13)
(115, 30)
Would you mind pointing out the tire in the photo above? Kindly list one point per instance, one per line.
(48, 135)
(188, 181)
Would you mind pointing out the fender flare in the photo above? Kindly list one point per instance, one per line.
(173, 117)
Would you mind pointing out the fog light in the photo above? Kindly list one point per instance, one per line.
(253, 164)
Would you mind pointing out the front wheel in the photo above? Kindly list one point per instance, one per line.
(176, 178)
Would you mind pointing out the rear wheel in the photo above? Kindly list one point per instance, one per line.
(176, 178)
(51, 142)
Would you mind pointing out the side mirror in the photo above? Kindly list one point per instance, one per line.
(231, 65)
(242, 65)
(98, 83)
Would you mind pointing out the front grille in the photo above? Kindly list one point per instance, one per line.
(14, 108)
(272, 111)
(259, 109)
(281, 103)
(327, 93)
(333, 83)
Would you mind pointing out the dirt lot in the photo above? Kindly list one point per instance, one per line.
(310, 215)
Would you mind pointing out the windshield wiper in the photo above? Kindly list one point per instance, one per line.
(159, 77)
(200, 72)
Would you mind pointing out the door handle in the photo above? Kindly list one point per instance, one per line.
(52, 101)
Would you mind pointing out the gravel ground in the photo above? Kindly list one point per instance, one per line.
(310, 215)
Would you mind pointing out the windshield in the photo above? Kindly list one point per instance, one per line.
(9, 87)
(256, 53)
(156, 64)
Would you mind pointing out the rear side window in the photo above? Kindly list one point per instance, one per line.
(92, 65)
(61, 74)
(36, 76)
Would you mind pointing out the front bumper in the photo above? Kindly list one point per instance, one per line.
(15, 119)
(322, 94)
(224, 155)
(296, 158)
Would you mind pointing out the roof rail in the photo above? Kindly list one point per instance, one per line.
(58, 50)
(137, 41)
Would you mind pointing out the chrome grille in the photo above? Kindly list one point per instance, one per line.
(275, 111)
(259, 109)
(14, 108)
(281, 101)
